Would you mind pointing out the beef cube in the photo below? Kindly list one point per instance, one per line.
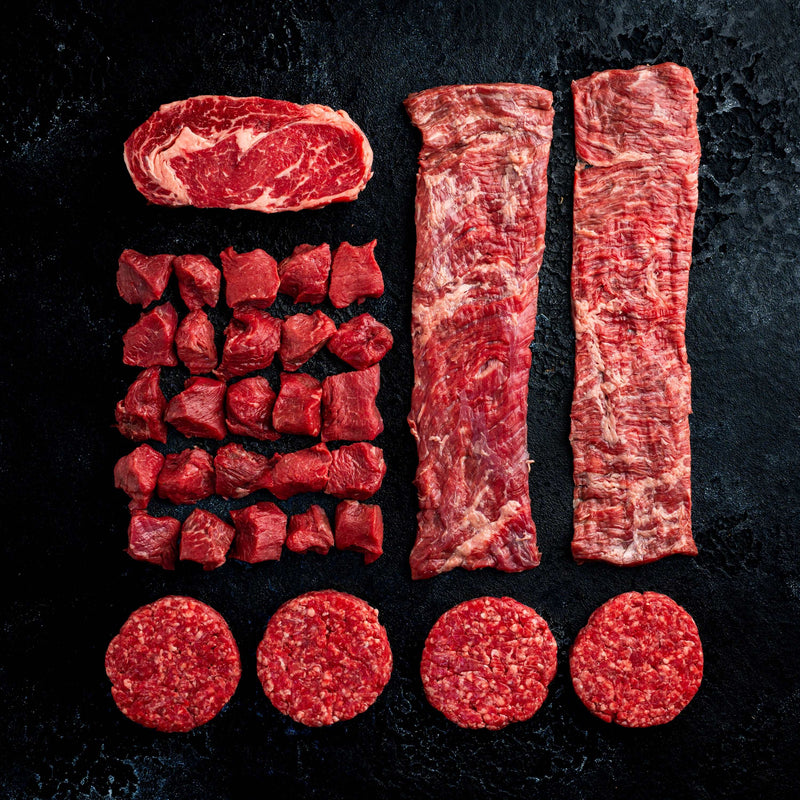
(361, 341)
(140, 415)
(302, 336)
(250, 278)
(359, 527)
(302, 471)
(260, 533)
(148, 342)
(187, 477)
(355, 274)
(205, 538)
(298, 407)
(198, 409)
(239, 472)
(304, 274)
(249, 405)
(198, 281)
(194, 341)
(251, 340)
(356, 471)
(142, 279)
(310, 531)
(348, 406)
(137, 473)
(154, 539)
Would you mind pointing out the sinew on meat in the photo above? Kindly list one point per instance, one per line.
(480, 217)
(635, 201)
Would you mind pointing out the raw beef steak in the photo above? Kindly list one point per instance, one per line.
(356, 471)
(298, 408)
(310, 530)
(137, 475)
(303, 335)
(359, 527)
(355, 274)
(205, 538)
(194, 342)
(149, 342)
(301, 471)
(239, 472)
(198, 281)
(304, 274)
(249, 404)
(250, 278)
(361, 341)
(187, 476)
(348, 405)
(252, 338)
(260, 533)
(142, 279)
(199, 409)
(154, 539)
(140, 414)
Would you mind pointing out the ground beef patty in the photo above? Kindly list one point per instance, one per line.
(488, 662)
(638, 661)
(173, 665)
(324, 658)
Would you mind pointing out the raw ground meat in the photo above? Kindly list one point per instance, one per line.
(355, 274)
(250, 278)
(301, 471)
(239, 472)
(488, 662)
(198, 409)
(639, 660)
(205, 538)
(348, 406)
(324, 658)
(149, 342)
(215, 151)
(304, 274)
(154, 539)
(303, 335)
(194, 342)
(187, 476)
(173, 665)
(249, 405)
(251, 340)
(137, 473)
(359, 527)
(356, 471)
(140, 415)
(361, 341)
(260, 533)
(298, 408)
(310, 530)
(480, 219)
(142, 279)
(634, 207)
(198, 281)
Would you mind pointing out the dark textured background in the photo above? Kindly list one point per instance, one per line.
(76, 79)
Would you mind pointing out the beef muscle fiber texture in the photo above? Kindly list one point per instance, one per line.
(248, 152)
(480, 217)
(635, 201)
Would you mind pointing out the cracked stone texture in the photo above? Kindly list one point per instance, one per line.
(76, 82)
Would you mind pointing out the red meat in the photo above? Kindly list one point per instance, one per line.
(251, 340)
(198, 281)
(148, 342)
(249, 405)
(310, 531)
(187, 477)
(140, 415)
(194, 341)
(260, 533)
(142, 279)
(205, 538)
(298, 408)
(348, 406)
(250, 278)
(361, 341)
(356, 471)
(355, 274)
(198, 409)
(137, 473)
(302, 471)
(304, 274)
(359, 527)
(302, 336)
(239, 472)
(154, 539)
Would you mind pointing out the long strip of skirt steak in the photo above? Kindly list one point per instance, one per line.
(635, 201)
(480, 217)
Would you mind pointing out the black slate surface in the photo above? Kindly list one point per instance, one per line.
(77, 78)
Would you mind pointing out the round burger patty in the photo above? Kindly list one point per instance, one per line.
(173, 665)
(639, 661)
(324, 658)
(487, 662)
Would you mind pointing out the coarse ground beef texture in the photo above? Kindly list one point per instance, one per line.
(324, 658)
(173, 665)
(639, 660)
(487, 662)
